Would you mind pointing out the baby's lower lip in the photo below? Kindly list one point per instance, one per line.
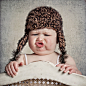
(39, 44)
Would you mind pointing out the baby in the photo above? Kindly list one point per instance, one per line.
(43, 31)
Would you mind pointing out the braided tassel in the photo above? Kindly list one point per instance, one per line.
(21, 43)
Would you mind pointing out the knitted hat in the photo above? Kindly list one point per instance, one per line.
(42, 17)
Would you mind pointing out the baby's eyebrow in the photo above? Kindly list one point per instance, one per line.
(34, 31)
(37, 31)
(47, 32)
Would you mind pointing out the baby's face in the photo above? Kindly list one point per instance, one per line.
(42, 41)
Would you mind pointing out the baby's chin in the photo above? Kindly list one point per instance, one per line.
(43, 53)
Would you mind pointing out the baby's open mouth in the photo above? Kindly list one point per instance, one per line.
(39, 44)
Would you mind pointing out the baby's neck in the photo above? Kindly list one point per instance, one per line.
(49, 57)
(52, 57)
(45, 55)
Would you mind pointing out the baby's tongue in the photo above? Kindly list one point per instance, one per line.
(39, 44)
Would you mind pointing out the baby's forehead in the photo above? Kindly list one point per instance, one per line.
(44, 30)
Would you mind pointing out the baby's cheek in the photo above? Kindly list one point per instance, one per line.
(31, 43)
(50, 43)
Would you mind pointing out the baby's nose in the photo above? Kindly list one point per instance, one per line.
(40, 37)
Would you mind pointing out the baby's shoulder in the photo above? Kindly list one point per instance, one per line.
(70, 60)
(25, 55)
(20, 56)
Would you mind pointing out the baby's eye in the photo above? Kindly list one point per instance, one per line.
(34, 34)
(46, 35)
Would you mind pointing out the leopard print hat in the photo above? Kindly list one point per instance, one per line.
(43, 17)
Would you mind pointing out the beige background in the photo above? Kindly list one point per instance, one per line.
(13, 16)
